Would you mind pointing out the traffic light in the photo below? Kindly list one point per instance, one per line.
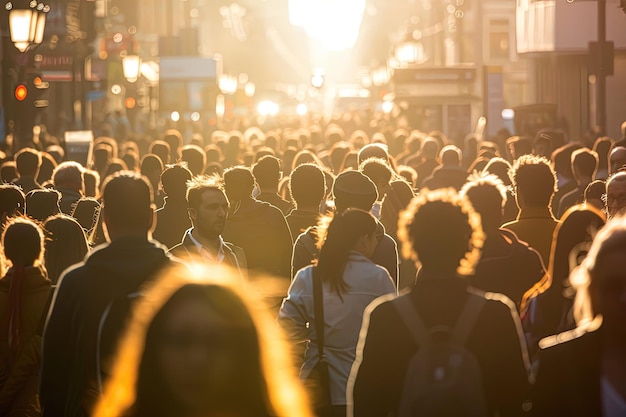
(21, 92)
(39, 89)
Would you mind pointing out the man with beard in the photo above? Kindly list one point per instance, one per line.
(208, 208)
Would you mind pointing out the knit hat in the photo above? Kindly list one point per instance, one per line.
(354, 189)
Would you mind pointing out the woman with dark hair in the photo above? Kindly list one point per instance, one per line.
(24, 293)
(66, 245)
(198, 346)
(546, 307)
(350, 281)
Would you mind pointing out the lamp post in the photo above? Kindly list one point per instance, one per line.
(21, 84)
(27, 25)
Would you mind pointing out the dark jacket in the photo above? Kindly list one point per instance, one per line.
(172, 222)
(508, 266)
(386, 347)
(261, 230)
(277, 201)
(300, 220)
(234, 256)
(69, 198)
(576, 196)
(386, 254)
(569, 375)
(19, 377)
(68, 378)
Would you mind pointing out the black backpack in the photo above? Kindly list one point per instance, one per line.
(442, 378)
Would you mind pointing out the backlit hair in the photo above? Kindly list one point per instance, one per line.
(284, 396)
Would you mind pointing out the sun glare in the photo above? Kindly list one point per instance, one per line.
(333, 23)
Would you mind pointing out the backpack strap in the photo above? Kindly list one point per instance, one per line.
(466, 321)
(318, 311)
(412, 320)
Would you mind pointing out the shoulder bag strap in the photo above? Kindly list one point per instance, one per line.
(318, 310)
(466, 321)
(412, 320)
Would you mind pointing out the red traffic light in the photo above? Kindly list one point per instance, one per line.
(21, 92)
(130, 103)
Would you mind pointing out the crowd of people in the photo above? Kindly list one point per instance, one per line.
(315, 272)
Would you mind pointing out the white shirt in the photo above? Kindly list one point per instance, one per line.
(205, 253)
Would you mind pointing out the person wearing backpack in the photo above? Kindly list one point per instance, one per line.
(441, 349)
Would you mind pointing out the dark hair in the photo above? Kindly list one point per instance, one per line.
(584, 163)
(579, 224)
(22, 242)
(69, 174)
(131, 160)
(174, 180)
(373, 150)
(213, 153)
(161, 149)
(87, 214)
(602, 147)
(42, 203)
(195, 158)
(442, 231)
(562, 159)
(450, 155)
(127, 198)
(201, 184)
(115, 165)
(376, 169)
(238, 183)
(337, 153)
(92, 183)
(500, 168)
(12, 200)
(487, 194)
(27, 162)
(343, 233)
(175, 141)
(48, 163)
(534, 180)
(65, 244)
(8, 172)
(307, 185)
(595, 190)
(267, 172)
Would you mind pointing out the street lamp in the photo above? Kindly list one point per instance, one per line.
(131, 65)
(27, 25)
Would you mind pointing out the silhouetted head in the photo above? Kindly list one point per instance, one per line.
(534, 181)
(487, 194)
(238, 183)
(354, 189)
(27, 162)
(127, 205)
(441, 231)
(41, 204)
(174, 180)
(307, 185)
